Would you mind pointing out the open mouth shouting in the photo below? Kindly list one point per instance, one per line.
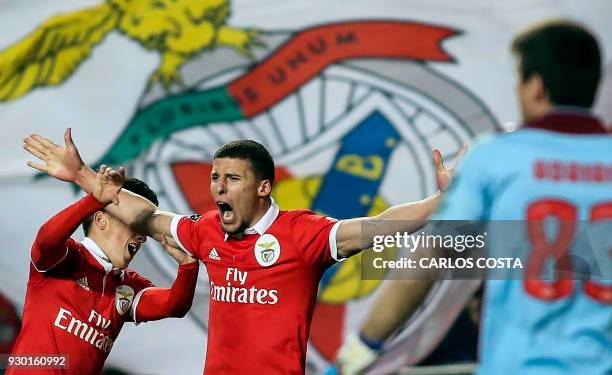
(226, 211)
(133, 248)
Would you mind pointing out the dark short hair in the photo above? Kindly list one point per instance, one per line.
(255, 153)
(134, 185)
(566, 55)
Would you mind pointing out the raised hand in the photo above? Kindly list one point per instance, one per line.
(174, 251)
(63, 163)
(443, 175)
(108, 184)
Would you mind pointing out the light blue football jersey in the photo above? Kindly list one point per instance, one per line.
(502, 178)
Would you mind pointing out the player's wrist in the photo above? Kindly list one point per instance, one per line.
(188, 262)
(85, 178)
(182, 258)
(95, 202)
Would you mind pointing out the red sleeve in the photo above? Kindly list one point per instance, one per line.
(51, 245)
(138, 282)
(159, 303)
(315, 236)
(188, 231)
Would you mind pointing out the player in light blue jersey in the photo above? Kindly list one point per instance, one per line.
(558, 165)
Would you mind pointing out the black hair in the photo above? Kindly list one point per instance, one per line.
(566, 55)
(255, 153)
(134, 185)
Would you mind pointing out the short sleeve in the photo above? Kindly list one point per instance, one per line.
(466, 197)
(186, 232)
(315, 237)
(139, 283)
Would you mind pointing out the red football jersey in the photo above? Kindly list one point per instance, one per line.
(263, 287)
(77, 306)
(80, 313)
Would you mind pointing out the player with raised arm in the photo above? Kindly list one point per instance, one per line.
(80, 294)
(556, 168)
(264, 264)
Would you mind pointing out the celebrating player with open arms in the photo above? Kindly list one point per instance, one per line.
(79, 294)
(264, 264)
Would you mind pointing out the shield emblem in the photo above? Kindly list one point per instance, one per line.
(124, 295)
(267, 255)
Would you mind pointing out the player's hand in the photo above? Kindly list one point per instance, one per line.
(443, 175)
(354, 357)
(108, 184)
(174, 250)
(63, 163)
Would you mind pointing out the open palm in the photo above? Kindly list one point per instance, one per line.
(62, 163)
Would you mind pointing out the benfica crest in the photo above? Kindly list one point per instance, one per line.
(124, 295)
(349, 110)
(267, 250)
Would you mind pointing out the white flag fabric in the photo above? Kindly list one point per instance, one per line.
(350, 99)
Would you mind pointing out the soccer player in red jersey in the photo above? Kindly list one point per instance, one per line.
(80, 294)
(264, 264)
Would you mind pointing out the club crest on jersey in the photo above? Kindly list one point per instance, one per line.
(267, 250)
(123, 298)
(195, 217)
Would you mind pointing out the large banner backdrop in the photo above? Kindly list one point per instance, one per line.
(349, 97)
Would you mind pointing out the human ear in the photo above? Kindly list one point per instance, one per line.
(264, 189)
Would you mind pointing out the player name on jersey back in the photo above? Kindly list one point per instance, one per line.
(560, 171)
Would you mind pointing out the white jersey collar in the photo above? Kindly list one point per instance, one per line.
(98, 254)
(265, 222)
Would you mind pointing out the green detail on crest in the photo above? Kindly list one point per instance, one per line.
(170, 115)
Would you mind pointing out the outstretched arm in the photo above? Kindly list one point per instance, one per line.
(65, 163)
(50, 247)
(409, 217)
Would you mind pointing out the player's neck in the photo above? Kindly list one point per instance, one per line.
(102, 244)
(263, 205)
(537, 112)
